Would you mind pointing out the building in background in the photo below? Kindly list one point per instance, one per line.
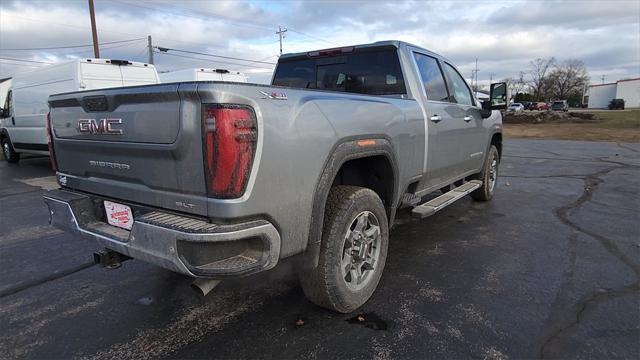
(629, 90)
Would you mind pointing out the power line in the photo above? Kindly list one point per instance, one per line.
(14, 64)
(102, 30)
(214, 61)
(222, 17)
(72, 46)
(23, 60)
(312, 37)
(196, 14)
(165, 49)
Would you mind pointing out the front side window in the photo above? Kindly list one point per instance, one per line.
(457, 86)
(432, 77)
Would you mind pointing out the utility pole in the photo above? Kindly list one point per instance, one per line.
(476, 82)
(96, 51)
(603, 78)
(150, 49)
(491, 78)
(280, 33)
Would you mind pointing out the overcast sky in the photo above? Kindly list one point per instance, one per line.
(503, 35)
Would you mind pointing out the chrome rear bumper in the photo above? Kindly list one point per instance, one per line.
(185, 245)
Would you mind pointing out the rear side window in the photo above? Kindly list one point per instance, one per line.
(458, 87)
(375, 72)
(432, 77)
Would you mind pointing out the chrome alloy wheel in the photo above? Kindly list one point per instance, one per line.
(361, 250)
(6, 150)
(493, 173)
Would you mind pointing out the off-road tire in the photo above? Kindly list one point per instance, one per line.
(486, 191)
(324, 285)
(9, 154)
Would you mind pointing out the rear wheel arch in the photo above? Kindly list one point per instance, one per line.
(341, 168)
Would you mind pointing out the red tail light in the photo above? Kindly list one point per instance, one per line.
(229, 136)
(49, 131)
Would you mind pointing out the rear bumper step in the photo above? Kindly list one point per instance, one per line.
(434, 205)
(185, 245)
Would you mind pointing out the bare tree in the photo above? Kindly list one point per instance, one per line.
(516, 85)
(538, 70)
(568, 78)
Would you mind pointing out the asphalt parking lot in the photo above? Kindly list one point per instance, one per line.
(549, 269)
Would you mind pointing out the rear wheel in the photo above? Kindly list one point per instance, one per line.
(489, 176)
(10, 155)
(353, 251)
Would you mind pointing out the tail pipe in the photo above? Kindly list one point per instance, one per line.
(204, 286)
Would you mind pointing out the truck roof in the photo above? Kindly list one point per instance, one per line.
(383, 43)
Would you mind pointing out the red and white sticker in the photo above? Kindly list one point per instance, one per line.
(119, 215)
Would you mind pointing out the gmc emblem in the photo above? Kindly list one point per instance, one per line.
(101, 126)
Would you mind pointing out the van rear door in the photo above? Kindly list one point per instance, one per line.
(138, 74)
(102, 74)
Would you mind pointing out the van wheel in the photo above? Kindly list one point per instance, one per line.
(10, 155)
(489, 176)
(353, 251)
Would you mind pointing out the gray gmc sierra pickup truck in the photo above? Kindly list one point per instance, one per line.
(215, 180)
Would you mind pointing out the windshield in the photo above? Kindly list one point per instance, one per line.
(374, 72)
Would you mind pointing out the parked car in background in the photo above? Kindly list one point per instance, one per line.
(515, 107)
(526, 104)
(560, 105)
(542, 106)
(200, 74)
(616, 104)
(24, 112)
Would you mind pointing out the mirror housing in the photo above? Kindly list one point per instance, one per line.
(485, 112)
(499, 96)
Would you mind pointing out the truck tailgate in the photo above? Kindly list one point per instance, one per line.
(138, 144)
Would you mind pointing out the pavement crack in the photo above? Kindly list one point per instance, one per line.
(548, 158)
(547, 350)
(33, 283)
(566, 176)
(627, 147)
(567, 322)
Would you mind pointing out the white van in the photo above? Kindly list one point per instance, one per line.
(24, 111)
(200, 74)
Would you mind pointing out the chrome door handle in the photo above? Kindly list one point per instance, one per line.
(435, 118)
(468, 118)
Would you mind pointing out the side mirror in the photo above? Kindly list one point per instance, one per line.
(498, 96)
(485, 112)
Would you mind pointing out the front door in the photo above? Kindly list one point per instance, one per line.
(472, 139)
(444, 158)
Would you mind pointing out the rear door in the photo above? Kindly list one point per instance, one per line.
(443, 155)
(96, 75)
(99, 76)
(471, 137)
(138, 75)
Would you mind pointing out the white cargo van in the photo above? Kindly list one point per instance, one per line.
(200, 74)
(24, 111)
